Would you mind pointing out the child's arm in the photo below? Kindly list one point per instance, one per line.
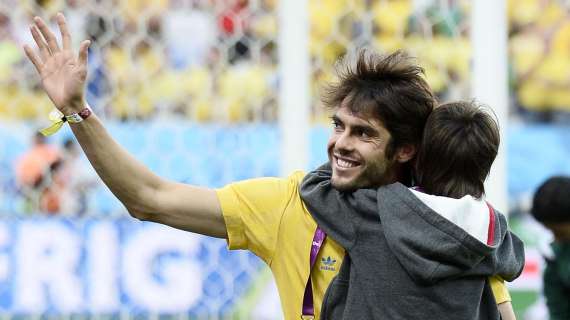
(506, 311)
(502, 297)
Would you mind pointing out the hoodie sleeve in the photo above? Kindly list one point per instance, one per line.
(507, 256)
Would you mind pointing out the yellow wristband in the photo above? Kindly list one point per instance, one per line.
(57, 118)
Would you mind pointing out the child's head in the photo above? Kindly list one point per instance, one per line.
(551, 206)
(460, 142)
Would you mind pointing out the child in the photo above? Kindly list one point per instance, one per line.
(551, 207)
(417, 253)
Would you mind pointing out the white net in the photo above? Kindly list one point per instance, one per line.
(190, 88)
(207, 62)
(435, 32)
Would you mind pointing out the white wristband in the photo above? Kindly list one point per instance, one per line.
(78, 117)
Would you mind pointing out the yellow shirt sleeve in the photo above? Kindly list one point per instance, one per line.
(253, 209)
(499, 289)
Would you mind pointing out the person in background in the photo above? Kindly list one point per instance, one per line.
(551, 207)
(34, 173)
(73, 180)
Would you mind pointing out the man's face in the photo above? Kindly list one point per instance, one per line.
(357, 151)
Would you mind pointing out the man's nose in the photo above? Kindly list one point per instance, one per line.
(344, 142)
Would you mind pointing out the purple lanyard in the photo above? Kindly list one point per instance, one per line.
(308, 311)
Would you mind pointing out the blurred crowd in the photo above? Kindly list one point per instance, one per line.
(216, 60)
(539, 40)
(51, 179)
(205, 60)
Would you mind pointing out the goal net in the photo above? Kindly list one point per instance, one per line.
(190, 88)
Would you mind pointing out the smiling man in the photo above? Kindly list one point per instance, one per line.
(381, 104)
(357, 152)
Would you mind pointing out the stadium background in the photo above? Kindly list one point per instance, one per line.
(191, 89)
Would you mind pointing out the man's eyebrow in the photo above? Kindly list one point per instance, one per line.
(365, 128)
(361, 127)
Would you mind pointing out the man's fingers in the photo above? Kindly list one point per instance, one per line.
(47, 34)
(33, 57)
(40, 42)
(65, 36)
(83, 52)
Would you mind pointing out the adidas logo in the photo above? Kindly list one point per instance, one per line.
(328, 264)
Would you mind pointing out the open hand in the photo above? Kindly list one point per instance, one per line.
(63, 73)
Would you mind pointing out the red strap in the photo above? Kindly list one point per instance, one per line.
(85, 113)
(491, 231)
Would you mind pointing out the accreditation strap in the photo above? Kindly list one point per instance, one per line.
(58, 119)
(308, 309)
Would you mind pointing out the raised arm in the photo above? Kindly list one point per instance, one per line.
(145, 195)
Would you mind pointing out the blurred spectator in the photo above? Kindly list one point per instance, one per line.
(324, 16)
(10, 54)
(391, 17)
(139, 46)
(242, 88)
(141, 9)
(98, 28)
(234, 20)
(76, 16)
(179, 23)
(73, 180)
(133, 95)
(264, 22)
(540, 46)
(34, 175)
(31, 166)
(551, 207)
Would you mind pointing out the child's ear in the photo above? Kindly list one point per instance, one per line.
(405, 153)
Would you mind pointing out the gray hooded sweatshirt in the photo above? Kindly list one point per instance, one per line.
(411, 255)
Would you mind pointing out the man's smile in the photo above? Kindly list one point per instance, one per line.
(344, 163)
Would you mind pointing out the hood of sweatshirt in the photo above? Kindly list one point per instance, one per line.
(434, 238)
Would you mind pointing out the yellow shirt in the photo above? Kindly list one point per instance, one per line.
(268, 217)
